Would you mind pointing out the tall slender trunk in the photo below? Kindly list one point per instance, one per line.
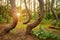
(47, 7)
(0, 2)
(38, 20)
(34, 10)
(54, 13)
(28, 12)
(55, 16)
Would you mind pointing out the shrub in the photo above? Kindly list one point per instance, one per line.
(58, 15)
(5, 14)
(58, 23)
(42, 33)
(49, 16)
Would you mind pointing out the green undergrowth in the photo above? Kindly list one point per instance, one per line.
(44, 34)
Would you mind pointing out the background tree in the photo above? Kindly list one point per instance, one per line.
(15, 20)
(38, 20)
(28, 12)
(54, 13)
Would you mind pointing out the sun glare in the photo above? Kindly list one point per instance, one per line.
(18, 14)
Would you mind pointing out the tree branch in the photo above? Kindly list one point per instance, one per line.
(38, 20)
(28, 12)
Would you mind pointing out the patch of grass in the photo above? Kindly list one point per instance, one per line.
(44, 34)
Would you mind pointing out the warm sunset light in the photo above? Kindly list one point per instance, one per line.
(29, 19)
(18, 14)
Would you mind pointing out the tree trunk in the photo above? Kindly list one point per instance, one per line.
(38, 20)
(34, 10)
(52, 9)
(54, 14)
(15, 19)
(0, 2)
(47, 8)
(28, 12)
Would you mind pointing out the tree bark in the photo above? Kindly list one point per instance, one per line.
(34, 10)
(38, 20)
(0, 2)
(52, 9)
(28, 12)
(15, 19)
(54, 14)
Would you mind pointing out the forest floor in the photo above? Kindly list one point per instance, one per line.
(17, 34)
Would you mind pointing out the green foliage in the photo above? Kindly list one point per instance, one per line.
(42, 33)
(45, 21)
(49, 16)
(5, 14)
(2, 19)
(58, 23)
(36, 14)
(58, 15)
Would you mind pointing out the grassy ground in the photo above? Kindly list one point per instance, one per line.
(18, 33)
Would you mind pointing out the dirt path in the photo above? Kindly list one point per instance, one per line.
(17, 34)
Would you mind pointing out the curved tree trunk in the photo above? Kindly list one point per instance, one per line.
(55, 16)
(15, 19)
(38, 20)
(54, 13)
(14, 12)
(28, 12)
